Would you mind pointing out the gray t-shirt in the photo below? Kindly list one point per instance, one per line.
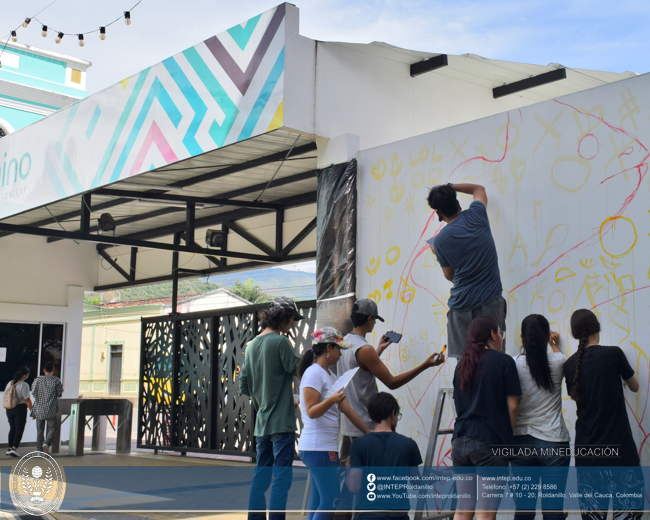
(22, 391)
(466, 244)
(540, 411)
(360, 389)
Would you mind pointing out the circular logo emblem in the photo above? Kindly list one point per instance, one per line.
(37, 484)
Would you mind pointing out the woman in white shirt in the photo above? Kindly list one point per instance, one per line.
(540, 424)
(318, 445)
(17, 415)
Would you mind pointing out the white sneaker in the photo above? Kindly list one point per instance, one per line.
(46, 448)
(9, 451)
(14, 452)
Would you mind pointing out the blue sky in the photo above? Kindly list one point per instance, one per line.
(596, 35)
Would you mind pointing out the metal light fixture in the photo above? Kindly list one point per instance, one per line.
(106, 222)
(102, 33)
(216, 238)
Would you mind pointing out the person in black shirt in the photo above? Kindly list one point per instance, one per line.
(593, 379)
(382, 448)
(486, 394)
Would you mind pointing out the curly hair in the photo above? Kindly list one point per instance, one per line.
(443, 200)
(275, 317)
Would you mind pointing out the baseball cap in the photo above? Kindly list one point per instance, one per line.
(367, 307)
(288, 304)
(329, 335)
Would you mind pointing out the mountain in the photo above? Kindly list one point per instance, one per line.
(298, 285)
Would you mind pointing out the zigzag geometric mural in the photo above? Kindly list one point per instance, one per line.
(219, 92)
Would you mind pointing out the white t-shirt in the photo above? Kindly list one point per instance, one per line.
(540, 411)
(22, 391)
(320, 434)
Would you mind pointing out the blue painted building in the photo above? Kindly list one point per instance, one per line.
(35, 82)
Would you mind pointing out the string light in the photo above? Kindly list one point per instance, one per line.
(60, 34)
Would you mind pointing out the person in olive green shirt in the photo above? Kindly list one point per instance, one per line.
(266, 377)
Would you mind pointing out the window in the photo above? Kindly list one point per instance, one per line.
(76, 76)
(3, 132)
(31, 345)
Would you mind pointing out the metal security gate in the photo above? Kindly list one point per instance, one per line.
(189, 379)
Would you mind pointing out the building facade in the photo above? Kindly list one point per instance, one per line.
(110, 343)
(34, 83)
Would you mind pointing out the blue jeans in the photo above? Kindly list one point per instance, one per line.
(324, 483)
(274, 459)
(553, 477)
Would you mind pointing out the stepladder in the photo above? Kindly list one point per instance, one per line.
(423, 510)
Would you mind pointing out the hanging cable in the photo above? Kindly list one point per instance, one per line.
(126, 16)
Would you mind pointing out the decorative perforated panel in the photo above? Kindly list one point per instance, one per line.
(235, 412)
(155, 415)
(201, 408)
(193, 405)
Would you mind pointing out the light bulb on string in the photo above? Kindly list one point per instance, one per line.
(127, 17)
(14, 37)
(44, 33)
(81, 40)
(26, 22)
(59, 38)
(102, 33)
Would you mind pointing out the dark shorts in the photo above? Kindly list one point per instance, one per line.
(469, 455)
(458, 324)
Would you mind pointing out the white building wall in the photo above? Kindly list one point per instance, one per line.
(44, 282)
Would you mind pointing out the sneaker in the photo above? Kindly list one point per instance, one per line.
(14, 452)
(9, 451)
(46, 448)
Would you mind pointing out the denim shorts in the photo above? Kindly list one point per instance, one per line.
(468, 453)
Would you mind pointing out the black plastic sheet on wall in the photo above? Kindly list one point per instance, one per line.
(336, 253)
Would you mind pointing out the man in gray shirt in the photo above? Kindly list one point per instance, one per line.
(467, 254)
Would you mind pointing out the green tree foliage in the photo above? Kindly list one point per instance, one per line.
(249, 291)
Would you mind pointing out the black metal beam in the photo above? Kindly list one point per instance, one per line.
(134, 258)
(524, 84)
(428, 65)
(84, 226)
(177, 242)
(219, 218)
(124, 241)
(250, 238)
(166, 211)
(167, 197)
(187, 273)
(190, 218)
(279, 230)
(114, 264)
(299, 237)
(274, 157)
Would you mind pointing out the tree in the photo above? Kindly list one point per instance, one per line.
(249, 291)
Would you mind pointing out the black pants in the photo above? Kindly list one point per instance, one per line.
(17, 419)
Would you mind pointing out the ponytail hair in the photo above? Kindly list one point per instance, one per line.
(535, 331)
(19, 374)
(478, 335)
(309, 356)
(584, 323)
